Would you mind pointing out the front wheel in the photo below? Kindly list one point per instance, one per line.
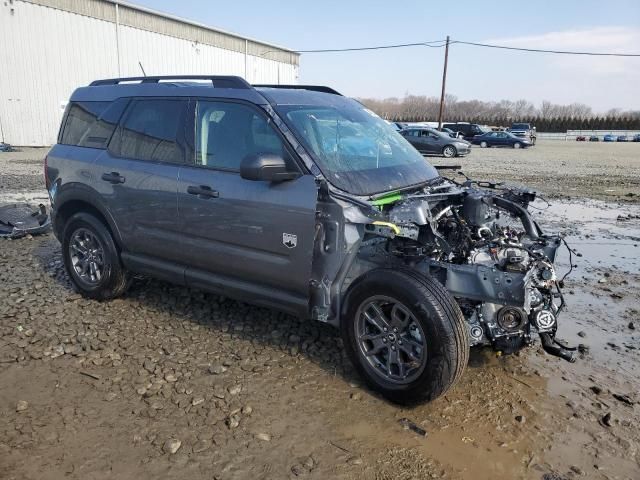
(405, 334)
(517, 145)
(449, 151)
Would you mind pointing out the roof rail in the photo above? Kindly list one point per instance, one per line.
(314, 88)
(217, 81)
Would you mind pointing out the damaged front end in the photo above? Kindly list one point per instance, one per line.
(480, 241)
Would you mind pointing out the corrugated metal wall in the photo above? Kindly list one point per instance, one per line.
(45, 53)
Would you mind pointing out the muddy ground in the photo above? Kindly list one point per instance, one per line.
(169, 382)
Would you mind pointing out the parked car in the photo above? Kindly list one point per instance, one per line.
(468, 130)
(450, 132)
(594, 138)
(622, 138)
(429, 141)
(500, 139)
(581, 138)
(524, 130)
(609, 138)
(636, 137)
(300, 199)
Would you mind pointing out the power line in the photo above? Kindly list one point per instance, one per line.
(442, 43)
(539, 50)
(379, 47)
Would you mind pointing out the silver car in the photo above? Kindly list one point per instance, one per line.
(429, 141)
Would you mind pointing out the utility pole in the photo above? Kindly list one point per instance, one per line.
(444, 83)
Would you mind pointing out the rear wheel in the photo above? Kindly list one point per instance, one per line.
(405, 334)
(91, 258)
(449, 151)
(483, 145)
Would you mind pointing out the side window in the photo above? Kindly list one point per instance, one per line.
(91, 124)
(228, 132)
(150, 130)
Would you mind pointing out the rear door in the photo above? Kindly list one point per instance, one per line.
(138, 174)
(240, 235)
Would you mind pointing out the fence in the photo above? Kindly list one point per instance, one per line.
(572, 134)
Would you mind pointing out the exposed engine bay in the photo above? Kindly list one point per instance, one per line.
(481, 242)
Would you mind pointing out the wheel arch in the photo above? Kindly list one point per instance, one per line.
(82, 199)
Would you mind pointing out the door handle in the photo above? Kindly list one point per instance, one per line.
(202, 191)
(113, 177)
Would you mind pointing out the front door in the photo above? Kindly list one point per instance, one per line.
(242, 235)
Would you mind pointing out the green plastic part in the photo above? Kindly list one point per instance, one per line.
(387, 200)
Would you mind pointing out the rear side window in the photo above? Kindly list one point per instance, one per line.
(151, 130)
(91, 124)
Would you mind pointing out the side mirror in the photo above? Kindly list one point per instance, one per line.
(266, 167)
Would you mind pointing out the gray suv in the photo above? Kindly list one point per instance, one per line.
(297, 198)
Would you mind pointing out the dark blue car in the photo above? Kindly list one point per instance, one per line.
(609, 138)
(500, 139)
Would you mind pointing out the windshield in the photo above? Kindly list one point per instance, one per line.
(355, 149)
(520, 126)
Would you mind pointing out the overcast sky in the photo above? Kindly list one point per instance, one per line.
(485, 74)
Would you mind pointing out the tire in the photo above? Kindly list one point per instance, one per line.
(87, 240)
(483, 145)
(434, 321)
(449, 151)
(517, 145)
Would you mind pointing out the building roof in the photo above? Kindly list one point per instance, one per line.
(127, 14)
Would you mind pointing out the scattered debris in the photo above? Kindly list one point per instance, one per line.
(333, 444)
(623, 398)
(22, 405)
(606, 419)
(95, 376)
(409, 425)
(521, 418)
(21, 219)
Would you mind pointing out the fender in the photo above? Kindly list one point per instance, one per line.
(74, 192)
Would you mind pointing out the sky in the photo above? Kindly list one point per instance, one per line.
(474, 73)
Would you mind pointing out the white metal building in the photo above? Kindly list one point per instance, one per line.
(50, 47)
